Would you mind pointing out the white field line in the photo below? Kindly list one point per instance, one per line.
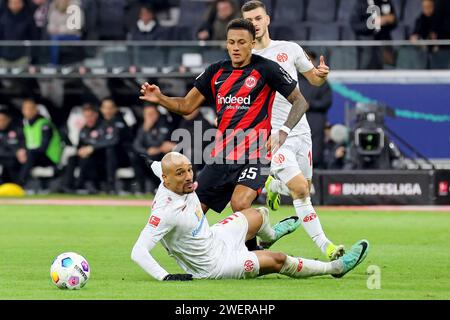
(147, 203)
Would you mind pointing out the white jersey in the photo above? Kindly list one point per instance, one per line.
(180, 224)
(292, 58)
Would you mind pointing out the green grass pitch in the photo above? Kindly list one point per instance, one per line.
(410, 248)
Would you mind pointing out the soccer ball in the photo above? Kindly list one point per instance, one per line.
(70, 270)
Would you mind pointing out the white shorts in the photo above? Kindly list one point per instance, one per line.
(236, 261)
(292, 158)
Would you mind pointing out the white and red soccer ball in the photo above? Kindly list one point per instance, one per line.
(70, 271)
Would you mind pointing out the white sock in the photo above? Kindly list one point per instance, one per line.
(279, 187)
(302, 268)
(266, 231)
(311, 222)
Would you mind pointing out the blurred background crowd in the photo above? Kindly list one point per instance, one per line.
(86, 135)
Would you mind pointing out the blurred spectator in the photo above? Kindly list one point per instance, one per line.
(89, 158)
(218, 16)
(189, 123)
(11, 140)
(319, 100)
(63, 26)
(375, 26)
(153, 139)
(425, 26)
(147, 27)
(116, 142)
(42, 141)
(111, 19)
(90, 10)
(16, 23)
(442, 9)
(40, 10)
(335, 147)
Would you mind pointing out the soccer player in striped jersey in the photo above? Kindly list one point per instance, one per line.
(243, 89)
(218, 251)
(292, 162)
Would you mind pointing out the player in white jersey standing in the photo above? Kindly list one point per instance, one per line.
(292, 162)
(218, 252)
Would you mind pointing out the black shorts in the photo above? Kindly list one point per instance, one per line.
(216, 182)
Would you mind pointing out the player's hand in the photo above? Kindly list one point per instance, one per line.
(269, 144)
(21, 156)
(178, 277)
(85, 151)
(276, 140)
(150, 93)
(322, 69)
(167, 146)
(153, 151)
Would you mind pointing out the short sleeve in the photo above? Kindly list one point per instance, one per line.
(302, 60)
(279, 79)
(203, 81)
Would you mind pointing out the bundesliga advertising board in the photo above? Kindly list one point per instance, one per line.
(224, 158)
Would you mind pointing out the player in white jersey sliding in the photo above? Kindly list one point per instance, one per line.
(292, 162)
(218, 252)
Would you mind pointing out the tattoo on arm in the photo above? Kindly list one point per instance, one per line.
(299, 108)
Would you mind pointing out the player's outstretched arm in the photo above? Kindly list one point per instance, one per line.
(318, 75)
(184, 106)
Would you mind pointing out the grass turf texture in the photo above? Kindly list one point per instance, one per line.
(410, 248)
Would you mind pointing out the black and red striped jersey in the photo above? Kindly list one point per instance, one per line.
(243, 99)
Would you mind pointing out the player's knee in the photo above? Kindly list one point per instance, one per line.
(279, 260)
(250, 211)
(299, 189)
(239, 204)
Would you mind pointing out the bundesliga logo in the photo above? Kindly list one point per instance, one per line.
(233, 100)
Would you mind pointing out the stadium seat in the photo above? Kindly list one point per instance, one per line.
(411, 58)
(192, 12)
(128, 116)
(74, 123)
(440, 59)
(322, 31)
(181, 32)
(321, 11)
(43, 172)
(293, 32)
(344, 11)
(43, 111)
(289, 11)
(346, 33)
(411, 12)
(175, 55)
(344, 58)
(398, 7)
(213, 55)
(148, 57)
(116, 57)
(399, 33)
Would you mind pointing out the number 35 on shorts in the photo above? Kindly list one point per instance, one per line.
(248, 173)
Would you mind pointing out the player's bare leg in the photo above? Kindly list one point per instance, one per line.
(299, 189)
(241, 199)
(205, 208)
(296, 267)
